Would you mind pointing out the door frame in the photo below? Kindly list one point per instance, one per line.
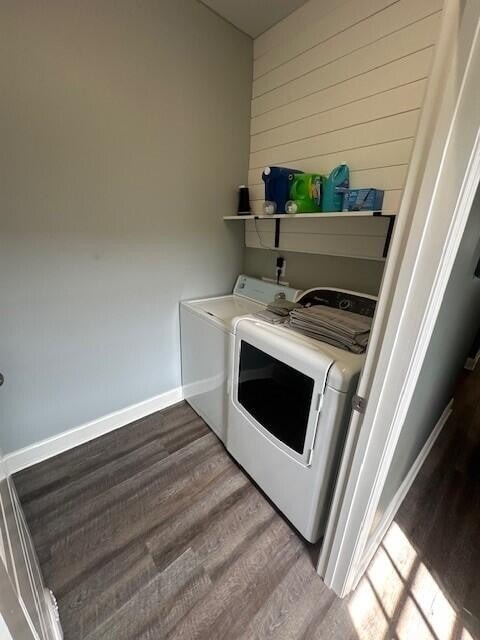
(13, 615)
(442, 181)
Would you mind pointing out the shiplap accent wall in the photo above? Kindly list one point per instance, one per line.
(360, 238)
(340, 81)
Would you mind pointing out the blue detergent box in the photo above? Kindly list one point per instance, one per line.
(362, 200)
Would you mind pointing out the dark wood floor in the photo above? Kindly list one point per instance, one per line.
(153, 532)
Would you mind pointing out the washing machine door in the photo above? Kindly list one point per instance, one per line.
(278, 384)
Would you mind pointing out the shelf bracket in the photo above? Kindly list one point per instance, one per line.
(276, 243)
(277, 217)
(388, 237)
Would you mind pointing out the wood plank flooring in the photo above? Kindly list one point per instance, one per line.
(153, 532)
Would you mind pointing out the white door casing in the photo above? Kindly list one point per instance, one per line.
(25, 609)
(15, 622)
(443, 178)
(15, 584)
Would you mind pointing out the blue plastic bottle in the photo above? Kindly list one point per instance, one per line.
(334, 187)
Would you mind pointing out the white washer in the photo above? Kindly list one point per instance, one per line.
(290, 403)
(206, 329)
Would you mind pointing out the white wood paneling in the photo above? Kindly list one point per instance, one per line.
(395, 46)
(312, 34)
(386, 154)
(283, 63)
(400, 72)
(389, 103)
(340, 81)
(397, 127)
(364, 237)
(361, 226)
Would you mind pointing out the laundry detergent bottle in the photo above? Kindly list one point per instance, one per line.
(277, 188)
(334, 187)
(305, 193)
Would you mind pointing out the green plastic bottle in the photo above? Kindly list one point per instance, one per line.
(305, 193)
(334, 187)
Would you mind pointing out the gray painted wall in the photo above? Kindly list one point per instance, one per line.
(305, 270)
(455, 329)
(125, 131)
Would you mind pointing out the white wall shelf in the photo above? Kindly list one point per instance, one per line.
(380, 251)
(328, 214)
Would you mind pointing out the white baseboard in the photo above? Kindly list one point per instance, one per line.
(39, 451)
(402, 491)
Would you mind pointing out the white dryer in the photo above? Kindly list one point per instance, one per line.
(206, 330)
(290, 403)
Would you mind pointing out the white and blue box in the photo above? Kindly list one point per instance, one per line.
(362, 200)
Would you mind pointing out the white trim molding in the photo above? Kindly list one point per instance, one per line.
(402, 491)
(443, 178)
(39, 451)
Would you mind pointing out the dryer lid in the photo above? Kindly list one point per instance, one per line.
(224, 309)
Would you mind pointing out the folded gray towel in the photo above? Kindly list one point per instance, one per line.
(270, 316)
(346, 322)
(279, 311)
(335, 326)
(353, 348)
(282, 307)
